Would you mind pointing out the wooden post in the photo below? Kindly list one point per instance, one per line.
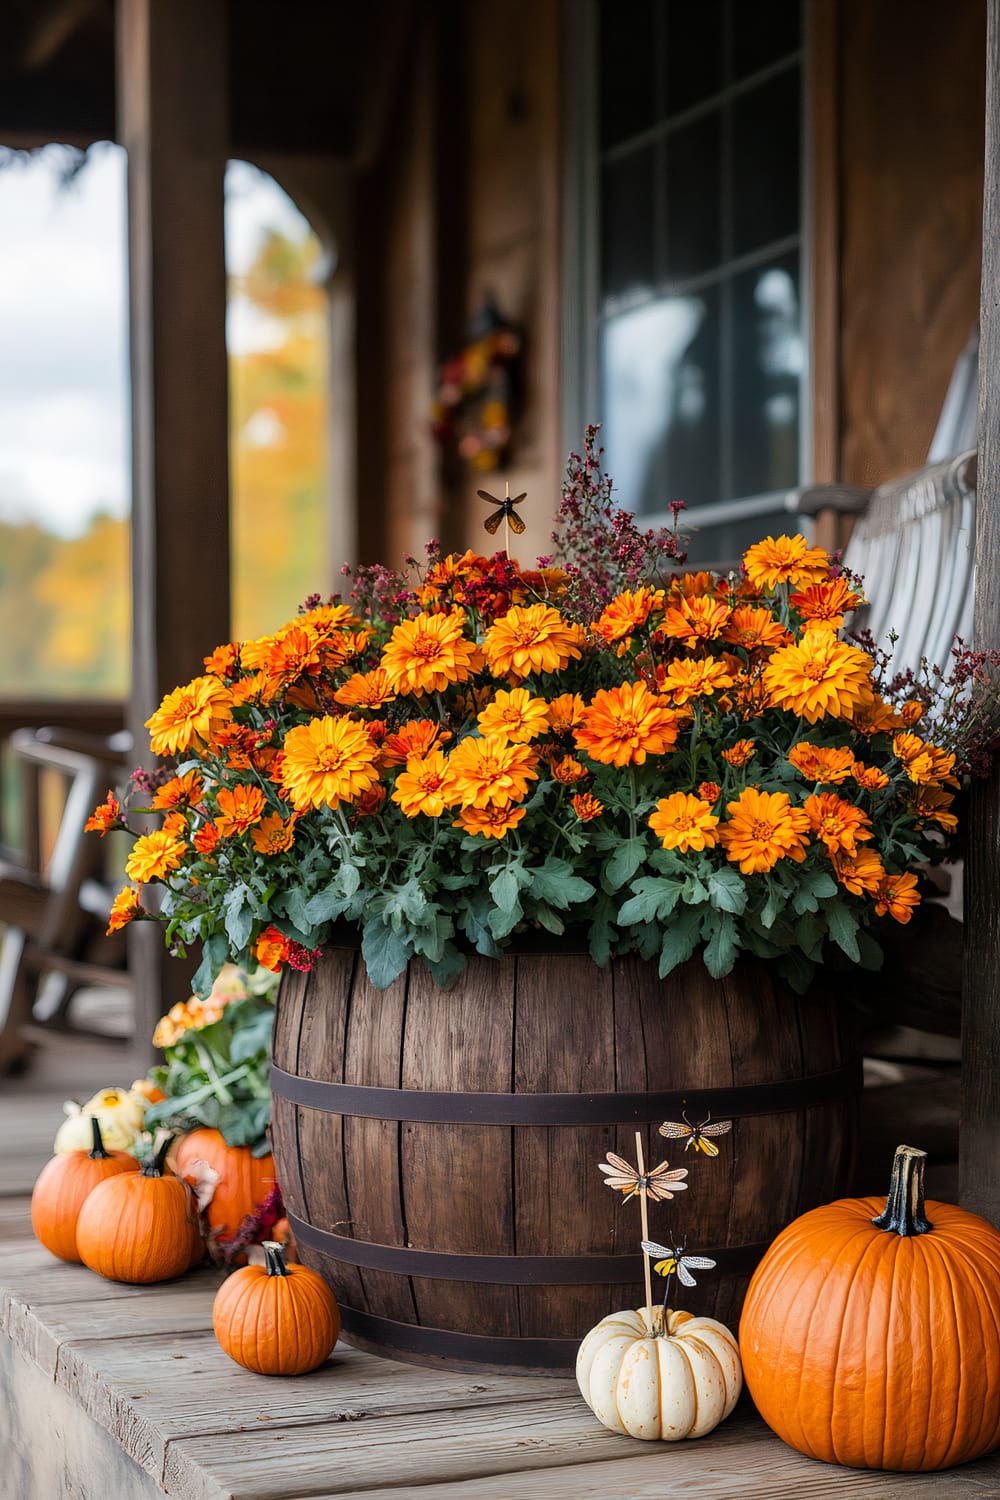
(979, 1160)
(173, 106)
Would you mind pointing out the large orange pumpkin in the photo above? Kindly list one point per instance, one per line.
(870, 1335)
(64, 1185)
(244, 1180)
(276, 1319)
(139, 1227)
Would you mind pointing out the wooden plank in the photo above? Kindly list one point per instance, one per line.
(979, 1150)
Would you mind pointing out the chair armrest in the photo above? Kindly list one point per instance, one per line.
(71, 751)
(845, 499)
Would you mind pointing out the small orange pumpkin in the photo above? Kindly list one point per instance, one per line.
(276, 1319)
(244, 1179)
(869, 1331)
(63, 1186)
(139, 1227)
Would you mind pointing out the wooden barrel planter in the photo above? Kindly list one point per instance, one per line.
(439, 1150)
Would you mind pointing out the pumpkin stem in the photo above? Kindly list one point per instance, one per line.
(98, 1151)
(274, 1258)
(904, 1205)
(153, 1166)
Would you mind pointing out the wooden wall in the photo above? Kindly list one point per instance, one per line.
(910, 108)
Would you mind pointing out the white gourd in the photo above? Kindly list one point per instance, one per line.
(677, 1384)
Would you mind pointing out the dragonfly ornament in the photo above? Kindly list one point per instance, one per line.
(660, 1184)
(698, 1136)
(504, 512)
(674, 1261)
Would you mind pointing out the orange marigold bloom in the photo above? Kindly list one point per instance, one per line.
(532, 639)
(492, 822)
(223, 661)
(569, 771)
(429, 653)
(370, 802)
(930, 804)
(153, 856)
(425, 786)
(684, 822)
(819, 676)
(566, 712)
(189, 713)
(911, 713)
(418, 737)
(694, 620)
(327, 618)
(275, 834)
(826, 603)
(587, 807)
(516, 715)
(175, 823)
(869, 778)
(871, 715)
(366, 690)
(239, 809)
(532, 582)
(692, 585)
(925, 764)
(785, 559)
(754, 629)
(897, 895)
(490, 771)
(710, 792)
(105, 817)
(271, 949)
(740, 753)
(124, 907)
(836, 822)
(179, 791)
(817, 763)
(627, 612)
(861, 873)
(325, 762)
(625, 724)
(206, 839)
(686, 678)
(762, 828)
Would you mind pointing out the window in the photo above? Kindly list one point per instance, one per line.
(697, 267)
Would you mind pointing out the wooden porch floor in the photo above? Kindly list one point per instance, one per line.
(123, 1391)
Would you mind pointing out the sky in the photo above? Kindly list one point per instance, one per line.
(63, 329)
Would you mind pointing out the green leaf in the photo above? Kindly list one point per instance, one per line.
(239, 916)
(385, 953)
(325, 906)
(680, 939)
(448, 968)
(623, 864)
(809, 936)
(722, 947)
(556, 884)
(502, 923)
(214, 954)
(505, 889)
(654, 899)
(726, 891)
(843, 928)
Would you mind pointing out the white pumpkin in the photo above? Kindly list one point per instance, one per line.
(680, 1383)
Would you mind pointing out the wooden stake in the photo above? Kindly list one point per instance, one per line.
(647, 1311)
(506, 519)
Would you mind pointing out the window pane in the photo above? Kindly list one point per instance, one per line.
(660, 379)
(765, 187)
(692, 198)
(628, 68)
(768, 358)
(763, 31)
(694, 52)
(627, 224)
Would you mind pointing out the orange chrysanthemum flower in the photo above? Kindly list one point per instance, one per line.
(626, 613)
(532, 639)
(871, 715)
(179, 791)
(425, 786)
(154, 856)
(836, 822)
(192, 712)
(325, 762)
(106, 817)
(819, 676)
(569, 771)
(693, 585)
(684, 822)
(370, 802)
(124, 907)
(206, 839)
(490, 771)
(687, 678)
(785, 559)
(869, 778)
(710, 792)
(625, 724)
(275, 835)
(818, 763)
(924, 763)
(418, 737)
(587, 807)
(754, 629)
(739, 753)
(515, 715)
(429, 653)
(175, 823)
(366, 690)
(861, 873)
(492, 822)
(826, 603)
(897, 895)
(694, 620)
(223, 661)
(911, 713)
(239, 809)
(566, 713)
(272, 949)
(930, 804)
(762, 828)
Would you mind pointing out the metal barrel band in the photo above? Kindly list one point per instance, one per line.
(504, 1270)
(432, 1106)
(479, 1351)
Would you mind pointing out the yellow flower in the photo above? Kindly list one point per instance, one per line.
(239, 809)
(836, 823)
(694, 620)
(818, 763)
(818, 677)
(924, 763)
(532, 639)
(861, 873)
(930, 804)
(153, 856)
(429, 653)
(189, 713)
(425, 785)
(490, 771)
(366, 690)
(762, 828)
(566, 712)
(897, 895)
(627, 612)
(625, 724)
(515, 715)
(686, 678)
(785, 559)
(491, 822)
(684, 822)
(325, 762)
(124, 907)
(587, 807)
(754, 629)
(275, 834)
